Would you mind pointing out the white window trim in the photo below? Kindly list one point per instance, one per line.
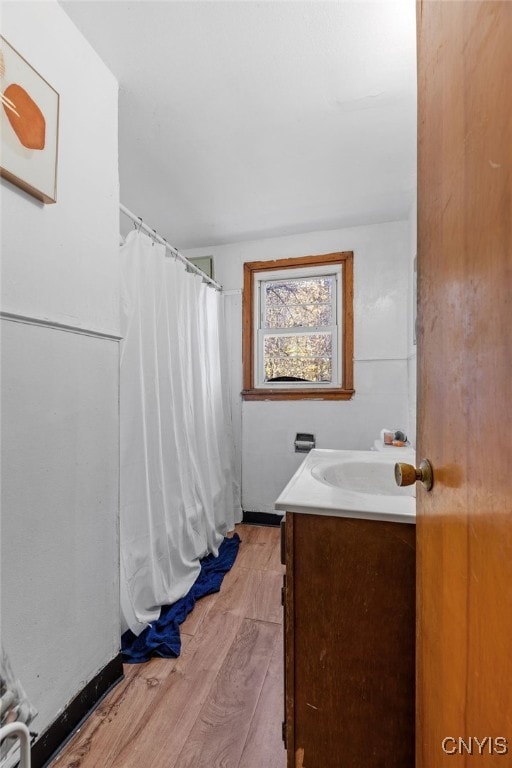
(289, 273)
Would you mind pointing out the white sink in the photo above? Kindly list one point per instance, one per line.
(359, 484)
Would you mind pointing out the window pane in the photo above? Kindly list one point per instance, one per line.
(298, 315)
(303, 356)
(300, 302)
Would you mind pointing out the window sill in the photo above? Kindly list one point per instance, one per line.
(297, 394)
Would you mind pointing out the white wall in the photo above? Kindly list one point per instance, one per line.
(60, 605)
(266, 430)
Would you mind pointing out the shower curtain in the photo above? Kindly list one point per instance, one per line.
(178, 493)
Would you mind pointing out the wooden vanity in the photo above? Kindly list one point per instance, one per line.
(349, 604)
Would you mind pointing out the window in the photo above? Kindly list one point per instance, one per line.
(298, 328)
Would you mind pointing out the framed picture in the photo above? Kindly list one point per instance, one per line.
(29, 125)
(204, 263)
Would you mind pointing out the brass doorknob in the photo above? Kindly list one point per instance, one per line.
(406, 474)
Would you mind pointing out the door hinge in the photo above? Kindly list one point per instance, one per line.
(283, 733)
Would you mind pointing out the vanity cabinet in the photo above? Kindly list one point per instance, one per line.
(349, 605)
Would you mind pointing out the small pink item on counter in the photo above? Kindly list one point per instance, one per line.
(398, 443)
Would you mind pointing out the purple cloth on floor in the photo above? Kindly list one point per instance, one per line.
(162, 638)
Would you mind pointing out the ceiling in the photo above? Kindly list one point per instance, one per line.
(242, 120)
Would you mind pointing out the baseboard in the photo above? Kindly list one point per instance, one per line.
(64, 727)
(261, 518)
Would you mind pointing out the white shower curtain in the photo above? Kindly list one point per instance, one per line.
(178, 492)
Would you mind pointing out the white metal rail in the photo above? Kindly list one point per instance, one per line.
(21, 731)
(152, 233)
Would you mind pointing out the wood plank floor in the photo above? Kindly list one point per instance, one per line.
(220, 704)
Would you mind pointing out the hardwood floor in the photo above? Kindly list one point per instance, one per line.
(220, 704)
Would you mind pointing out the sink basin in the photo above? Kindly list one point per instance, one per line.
(362, 477)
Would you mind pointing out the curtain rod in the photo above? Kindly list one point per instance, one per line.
(152, 233)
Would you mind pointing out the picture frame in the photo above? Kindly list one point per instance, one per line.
(29, 126)
(204, 263)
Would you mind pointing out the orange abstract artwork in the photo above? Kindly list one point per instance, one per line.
(29, 126)
(27, 121)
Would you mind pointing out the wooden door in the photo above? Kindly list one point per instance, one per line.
(464, 526)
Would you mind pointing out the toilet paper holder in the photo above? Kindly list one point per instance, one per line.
(304, 442)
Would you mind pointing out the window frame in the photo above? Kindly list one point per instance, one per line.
(254, 273)
(260, 331)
